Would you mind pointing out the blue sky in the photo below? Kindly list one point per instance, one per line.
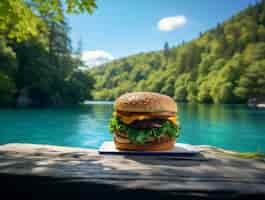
(119, 28)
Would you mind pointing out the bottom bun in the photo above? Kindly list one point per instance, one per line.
(163, 146)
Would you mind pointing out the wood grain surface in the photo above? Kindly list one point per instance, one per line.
(41, 171)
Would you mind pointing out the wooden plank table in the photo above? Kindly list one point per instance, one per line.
(30, 171)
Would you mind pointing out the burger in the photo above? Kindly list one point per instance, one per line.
(144, 121)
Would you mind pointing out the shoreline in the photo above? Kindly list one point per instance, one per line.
(110, 102)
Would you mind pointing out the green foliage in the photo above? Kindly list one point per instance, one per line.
(7, 90)
(219, 67)
(168, 88)
(19, 19)
(252, 81)
(79, 87)
(259, 51)
(192, 91)
(140, 136)
(204, 92)
(166, 51)
(40, 63)
(181, 85)
(225, 79)
(7, 58)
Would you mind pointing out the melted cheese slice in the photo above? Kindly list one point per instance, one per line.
(130, 119)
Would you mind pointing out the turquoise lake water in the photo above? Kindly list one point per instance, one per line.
(234, 127)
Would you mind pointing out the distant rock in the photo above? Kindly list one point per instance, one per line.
(256, 102)
(261, 105)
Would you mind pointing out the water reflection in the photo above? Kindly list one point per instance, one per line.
(234, 127)
(230, 126)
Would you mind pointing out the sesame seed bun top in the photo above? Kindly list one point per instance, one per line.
(145, 102)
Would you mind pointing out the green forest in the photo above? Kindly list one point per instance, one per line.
(223, 65)
(38, 66)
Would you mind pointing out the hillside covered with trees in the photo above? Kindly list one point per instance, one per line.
(223, 65)
(37, 66)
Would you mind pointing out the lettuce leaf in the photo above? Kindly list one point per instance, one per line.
(140, 136)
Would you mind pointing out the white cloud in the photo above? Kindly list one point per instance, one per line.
(171, 23)
(96, 57)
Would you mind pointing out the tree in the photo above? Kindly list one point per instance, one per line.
(78, 54)
(192, 91)
(205, 64)
(166, 51)
(36, 54)
(252, 82)
(59, 48)
(8, 63)
(16, 15)
(180, 94)
(204, 93)
(168, 87)
(181, 85)
(79, 87)
(224, 81)
(7, 90)
(258, 52)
